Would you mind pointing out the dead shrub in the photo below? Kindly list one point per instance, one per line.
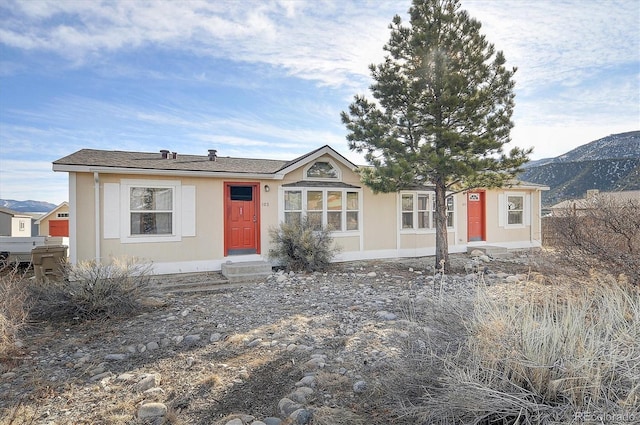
(543, 361)
(14, 307)
(302, 246)
(605, 235)
(93, 290)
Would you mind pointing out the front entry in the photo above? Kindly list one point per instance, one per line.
(475, 216)
(242, 218)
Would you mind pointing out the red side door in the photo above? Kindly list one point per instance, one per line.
(476, 216)
(242, 219)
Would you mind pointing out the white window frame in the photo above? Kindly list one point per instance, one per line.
(62, 215)
(338, 176)
(503, 202)
(125, 219)
(303, 212)
(431, 210)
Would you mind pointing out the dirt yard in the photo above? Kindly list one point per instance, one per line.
(321, 341)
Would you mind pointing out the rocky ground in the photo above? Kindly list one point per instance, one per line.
(292, 349)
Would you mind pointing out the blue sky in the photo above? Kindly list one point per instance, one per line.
(268, 78)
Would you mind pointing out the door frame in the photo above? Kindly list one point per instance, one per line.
(227, 210)
(483, 214)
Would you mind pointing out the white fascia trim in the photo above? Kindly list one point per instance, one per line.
(154, 172)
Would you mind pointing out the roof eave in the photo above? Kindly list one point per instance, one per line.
(160, 172)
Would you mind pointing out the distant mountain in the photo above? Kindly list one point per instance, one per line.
(608, 164)
(27, 206)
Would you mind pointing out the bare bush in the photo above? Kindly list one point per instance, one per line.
(14, 309)
(604, 235)
(544, 361)
(302, 246)
(94, 290)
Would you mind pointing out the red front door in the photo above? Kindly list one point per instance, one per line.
(475, 216)
(242, 218)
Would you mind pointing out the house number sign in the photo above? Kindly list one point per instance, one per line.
(474, 196)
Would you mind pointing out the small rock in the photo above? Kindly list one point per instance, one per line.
(100, 376)
(301, 416)
(115, 357)
(372, 274)
(215, 337)
(359, 387)
(258, 423)
(149, 381)
(235, 422)
(385, 315)
(152, 410)
(272, 421)
(307, 381)
(255, 342)
(191, 339)
(152, 346)
(125, 377)
(286, 406)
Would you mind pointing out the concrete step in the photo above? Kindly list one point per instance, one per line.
(246, 271)
(492, 251)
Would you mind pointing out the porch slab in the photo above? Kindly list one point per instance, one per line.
(246, 271)
(491, 251)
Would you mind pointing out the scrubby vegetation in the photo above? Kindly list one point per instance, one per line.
(13, 307)
(302, 246)
(605, 235)
(559, 354)
(92, 290)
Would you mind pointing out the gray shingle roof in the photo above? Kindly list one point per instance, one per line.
(154, 161)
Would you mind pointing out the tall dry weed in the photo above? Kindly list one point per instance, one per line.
(14, 307)
(545, 360)
(94, 290)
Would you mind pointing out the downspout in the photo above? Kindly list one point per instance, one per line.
(96, 196)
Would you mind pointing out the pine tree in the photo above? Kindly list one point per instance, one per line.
(441, 114)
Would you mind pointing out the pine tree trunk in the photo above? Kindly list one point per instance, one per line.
(442, 242)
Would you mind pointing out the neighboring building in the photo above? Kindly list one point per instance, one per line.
(14, 224)
(189, 213)
(55, 222)
(580, 206)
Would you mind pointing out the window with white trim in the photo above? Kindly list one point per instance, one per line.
(515, 209)
(151, 210)
(418, 210)
(336, 209)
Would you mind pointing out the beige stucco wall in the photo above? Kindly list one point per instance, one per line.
(380, 233)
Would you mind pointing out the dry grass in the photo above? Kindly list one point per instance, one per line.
(544, 360)
(14, 308)
(336, 416)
